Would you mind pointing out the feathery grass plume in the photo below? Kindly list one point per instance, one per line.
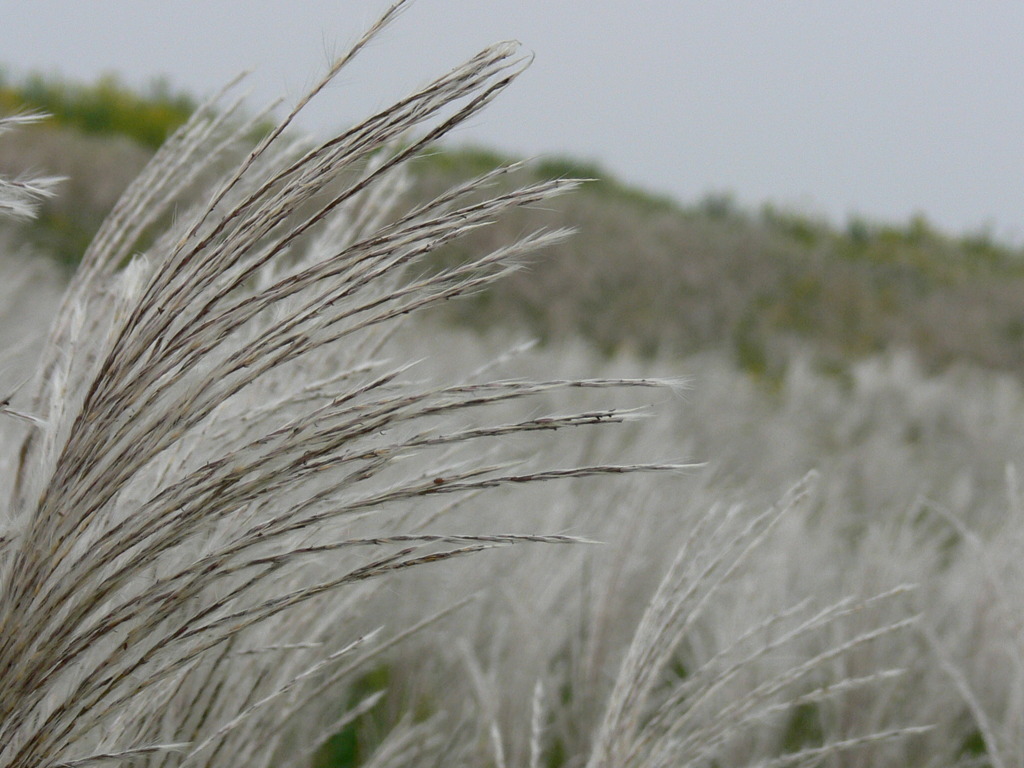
(217, 443)
(20, 197)
(736, 659)
(707, 716)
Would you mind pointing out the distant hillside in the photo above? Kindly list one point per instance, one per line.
(651, 275)
(647, 274)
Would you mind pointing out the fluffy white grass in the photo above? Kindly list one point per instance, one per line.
(20, 197)
(236, 455)
(789, 648)
(217, 443)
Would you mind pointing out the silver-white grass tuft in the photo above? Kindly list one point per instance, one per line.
(215, 442)
(694, 722)
(20, 196)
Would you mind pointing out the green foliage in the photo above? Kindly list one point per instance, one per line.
(974, 749)
(804, 729)
(107, 107)
(354, 744)
(465, 162)
(349, 746)
(803, 229)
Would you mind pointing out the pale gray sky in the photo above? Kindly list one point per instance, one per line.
(836, 107)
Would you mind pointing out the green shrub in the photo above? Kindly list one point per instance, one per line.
(106, 107)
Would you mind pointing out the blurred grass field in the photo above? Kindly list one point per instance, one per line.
(884, 359)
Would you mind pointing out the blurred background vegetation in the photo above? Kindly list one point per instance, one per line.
(106, 108)
(644, 274)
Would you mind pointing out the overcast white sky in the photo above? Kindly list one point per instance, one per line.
(834, 107)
